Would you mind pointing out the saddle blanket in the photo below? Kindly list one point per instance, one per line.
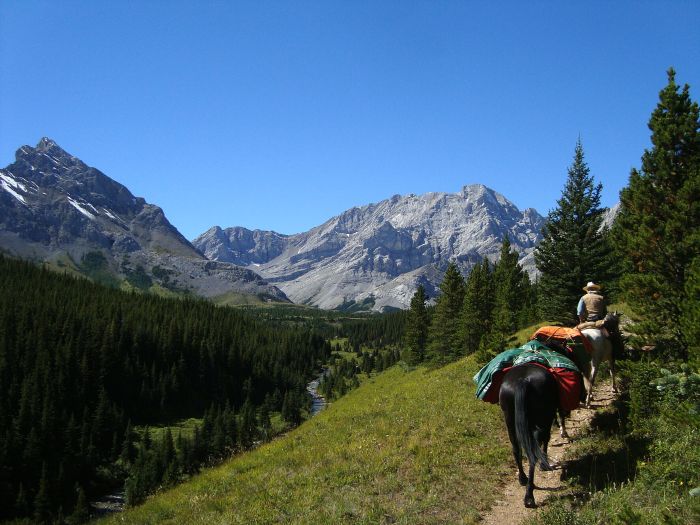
(570, 339)
(488, 380)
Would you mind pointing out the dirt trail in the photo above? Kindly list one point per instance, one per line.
(509, 509)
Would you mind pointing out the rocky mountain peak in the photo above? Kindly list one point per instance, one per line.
(47, 145)
(47, 156)
(54, 207)
(377, 254)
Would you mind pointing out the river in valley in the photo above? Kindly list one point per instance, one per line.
(318, 402)
(114, 502)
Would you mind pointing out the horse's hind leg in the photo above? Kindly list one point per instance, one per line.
(612, 375)
(560, 418)
(517, 454)
(542, 437)
(594, 371)
(529, 497)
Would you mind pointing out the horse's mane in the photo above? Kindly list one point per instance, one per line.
(612, 322)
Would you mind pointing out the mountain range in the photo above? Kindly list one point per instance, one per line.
(57, 209)
(375, 256)
(54, 208)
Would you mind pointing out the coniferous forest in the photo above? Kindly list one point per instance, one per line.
(81, 365)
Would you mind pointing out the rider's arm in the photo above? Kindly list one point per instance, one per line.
(581, 310)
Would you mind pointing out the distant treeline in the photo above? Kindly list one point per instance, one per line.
(80, 362)
(376, 331)
(361, 328)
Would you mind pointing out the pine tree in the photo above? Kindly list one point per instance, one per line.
(81, 512)
(690, 322)
(248, 430)
(573, 250)
(511, 290)
(128, 451)
(658, 228)
(477, 308)
(443, 336)
(417, 327)
(21, 502)
(167, 451)
(42, 500)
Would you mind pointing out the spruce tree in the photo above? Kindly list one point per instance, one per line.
(508, 280)
(417, 327)
(42, 500)
(511, 290)
(81, 512)
(443, 335)
(574, 249)
(690, 322)
(658, 228)
(477, 307)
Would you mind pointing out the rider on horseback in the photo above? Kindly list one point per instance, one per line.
(591, 307)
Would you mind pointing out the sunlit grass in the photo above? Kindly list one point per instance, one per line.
(405, 447)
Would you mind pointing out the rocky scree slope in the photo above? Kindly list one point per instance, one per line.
(375, 256)
(53, 207)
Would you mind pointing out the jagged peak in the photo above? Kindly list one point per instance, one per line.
(48, 147)
(46, 142)
(475, 188)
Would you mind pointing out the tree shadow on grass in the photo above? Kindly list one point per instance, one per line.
(598, 469)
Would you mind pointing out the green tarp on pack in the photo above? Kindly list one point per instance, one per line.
(532, 351)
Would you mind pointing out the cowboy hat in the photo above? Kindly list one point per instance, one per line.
(591, 286)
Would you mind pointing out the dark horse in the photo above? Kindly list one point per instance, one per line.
(529, 399)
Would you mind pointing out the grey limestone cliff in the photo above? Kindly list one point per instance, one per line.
(377, 255)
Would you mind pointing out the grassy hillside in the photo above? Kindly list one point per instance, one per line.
(406, 447)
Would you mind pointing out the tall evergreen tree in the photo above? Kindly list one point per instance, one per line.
(511, 291)
(658, 228)
(574, 249)
(477, 307)
(42, 501)
(81, 512)
(691, 312)
(443, 336)
(417, 327)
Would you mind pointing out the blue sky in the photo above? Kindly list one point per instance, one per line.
(279, 115)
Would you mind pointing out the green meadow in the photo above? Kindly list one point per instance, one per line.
(408, 446)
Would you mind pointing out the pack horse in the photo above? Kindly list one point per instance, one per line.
(529, 400)
(544, 376)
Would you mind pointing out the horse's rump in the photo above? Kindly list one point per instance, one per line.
(569, 385)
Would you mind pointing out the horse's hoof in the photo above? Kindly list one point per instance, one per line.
(564, 435)
(530, 502)
(522, 480)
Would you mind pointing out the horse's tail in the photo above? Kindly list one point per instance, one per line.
(526, 437)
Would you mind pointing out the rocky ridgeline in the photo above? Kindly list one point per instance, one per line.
(375, 256)
(53, 207)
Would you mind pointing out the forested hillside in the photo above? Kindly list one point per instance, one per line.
(80, 364)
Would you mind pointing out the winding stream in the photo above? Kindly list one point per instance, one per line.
(318, 402)
(114, 502)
